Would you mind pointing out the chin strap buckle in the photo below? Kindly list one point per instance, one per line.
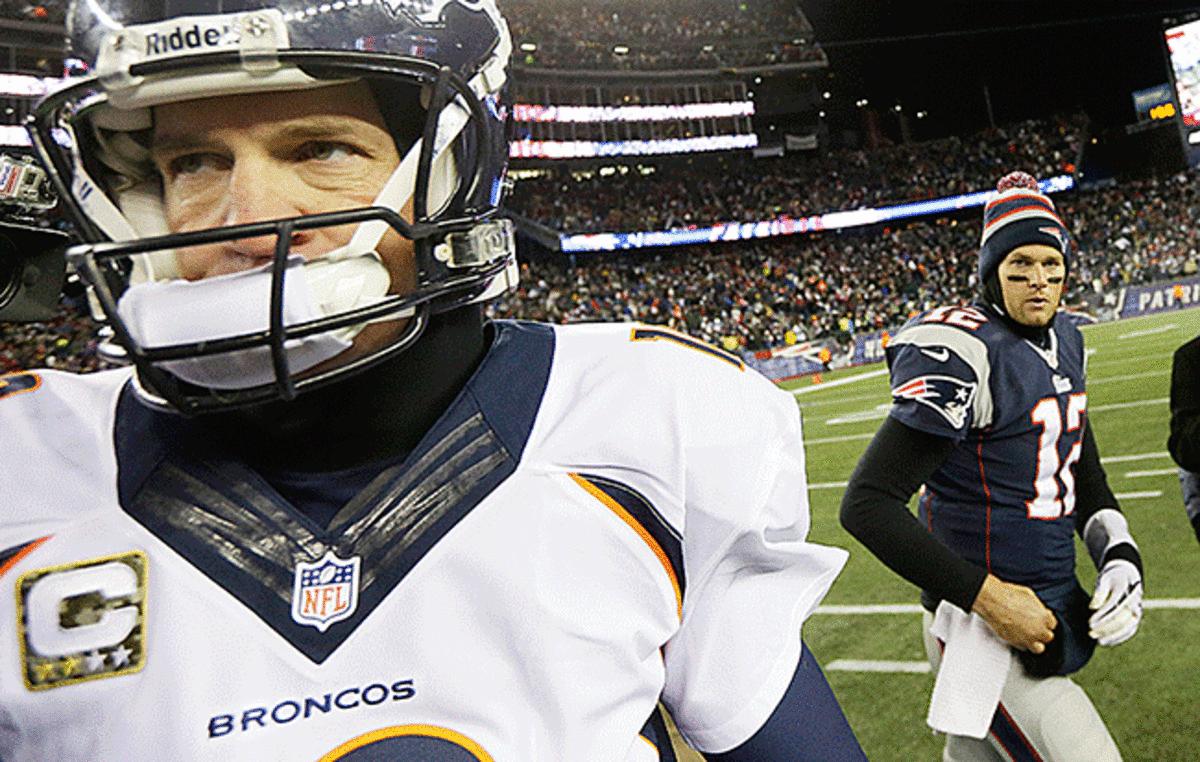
(484, 244)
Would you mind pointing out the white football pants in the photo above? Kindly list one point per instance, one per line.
(1046, 719)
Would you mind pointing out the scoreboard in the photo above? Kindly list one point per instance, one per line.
(1183, 50)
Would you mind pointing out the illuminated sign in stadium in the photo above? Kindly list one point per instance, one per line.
(735, 231)
(24, 86)
(1183, 42)
(525, 112)
(12, 135)
(588, 149)
(1154, 103)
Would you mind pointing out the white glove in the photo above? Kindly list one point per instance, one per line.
(1117, 603)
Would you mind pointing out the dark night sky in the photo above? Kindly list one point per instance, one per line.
(1036, 57)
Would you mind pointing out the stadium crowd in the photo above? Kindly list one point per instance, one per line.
(50, 12)
(731, 188)
(828, 286)
(832, 285)
(67, 342)
(707, 34)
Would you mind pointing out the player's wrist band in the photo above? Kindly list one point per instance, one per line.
(1124, 551)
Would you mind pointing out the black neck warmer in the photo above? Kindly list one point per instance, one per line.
(993, 297)
(378, 415)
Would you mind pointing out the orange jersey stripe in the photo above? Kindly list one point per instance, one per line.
(647, 538)
(10, 563)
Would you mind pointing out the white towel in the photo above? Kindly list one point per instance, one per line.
(975, 664)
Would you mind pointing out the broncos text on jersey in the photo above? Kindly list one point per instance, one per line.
(605, 517)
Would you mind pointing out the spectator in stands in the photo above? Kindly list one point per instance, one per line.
(711, 189)
(627, 34)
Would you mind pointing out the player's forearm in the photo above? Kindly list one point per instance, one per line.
(1092, 493)
(875, 510)
(1098, 518)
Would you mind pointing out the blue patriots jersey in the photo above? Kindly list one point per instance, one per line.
(1005, 498)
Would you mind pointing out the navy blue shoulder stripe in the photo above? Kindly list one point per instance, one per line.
(649, 518)
(656, 334)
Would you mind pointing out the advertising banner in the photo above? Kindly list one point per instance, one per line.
(1159, 297)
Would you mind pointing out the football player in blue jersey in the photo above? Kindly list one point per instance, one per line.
(330, 511)
(989, 423)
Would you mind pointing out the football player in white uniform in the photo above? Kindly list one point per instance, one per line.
(332, 514)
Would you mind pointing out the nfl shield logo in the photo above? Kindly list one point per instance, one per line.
(325, 592)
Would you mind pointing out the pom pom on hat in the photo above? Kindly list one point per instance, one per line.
(1019, 214)
(1017, 180)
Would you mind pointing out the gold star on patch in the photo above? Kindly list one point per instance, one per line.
(69, 666)
(43, 671)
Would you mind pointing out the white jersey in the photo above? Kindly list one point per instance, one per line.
(607, 516)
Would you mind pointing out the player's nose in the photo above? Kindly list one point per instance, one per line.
(1040, 276)
(257, 193)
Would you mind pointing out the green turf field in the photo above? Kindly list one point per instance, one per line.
(1148, 690)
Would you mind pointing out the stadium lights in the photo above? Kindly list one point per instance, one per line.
(827, 95)
(821, 114)
(529, 47)
(758, 80)
(529, 112)
(897, 108)
(861, 102)
(922, 114)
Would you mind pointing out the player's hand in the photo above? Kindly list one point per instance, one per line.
(1117, 603)
(1016, 614)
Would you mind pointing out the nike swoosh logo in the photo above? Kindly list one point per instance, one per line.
(941, 355)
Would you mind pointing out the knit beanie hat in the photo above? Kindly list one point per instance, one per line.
(1019, 214)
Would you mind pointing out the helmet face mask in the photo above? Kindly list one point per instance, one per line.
(93, 136)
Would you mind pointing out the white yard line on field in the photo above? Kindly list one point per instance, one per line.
(1125, 405)
(860, 665)
(870, 608)
(1131, 458)
(1173, 603)
(1147, 495)
(1130, 377)
(915, 608)
(828, 485)
(839, 400)
(839, 382)
(1147, 332)
(1154, 472)
(832, 440)
(876, 413)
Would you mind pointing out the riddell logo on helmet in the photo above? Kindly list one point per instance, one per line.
(188, 38)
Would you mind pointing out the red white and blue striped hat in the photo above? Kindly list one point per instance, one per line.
(1018, 215)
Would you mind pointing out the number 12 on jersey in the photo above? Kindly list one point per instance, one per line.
(1051, 501)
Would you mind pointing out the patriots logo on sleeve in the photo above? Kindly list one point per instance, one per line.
(949, 396)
